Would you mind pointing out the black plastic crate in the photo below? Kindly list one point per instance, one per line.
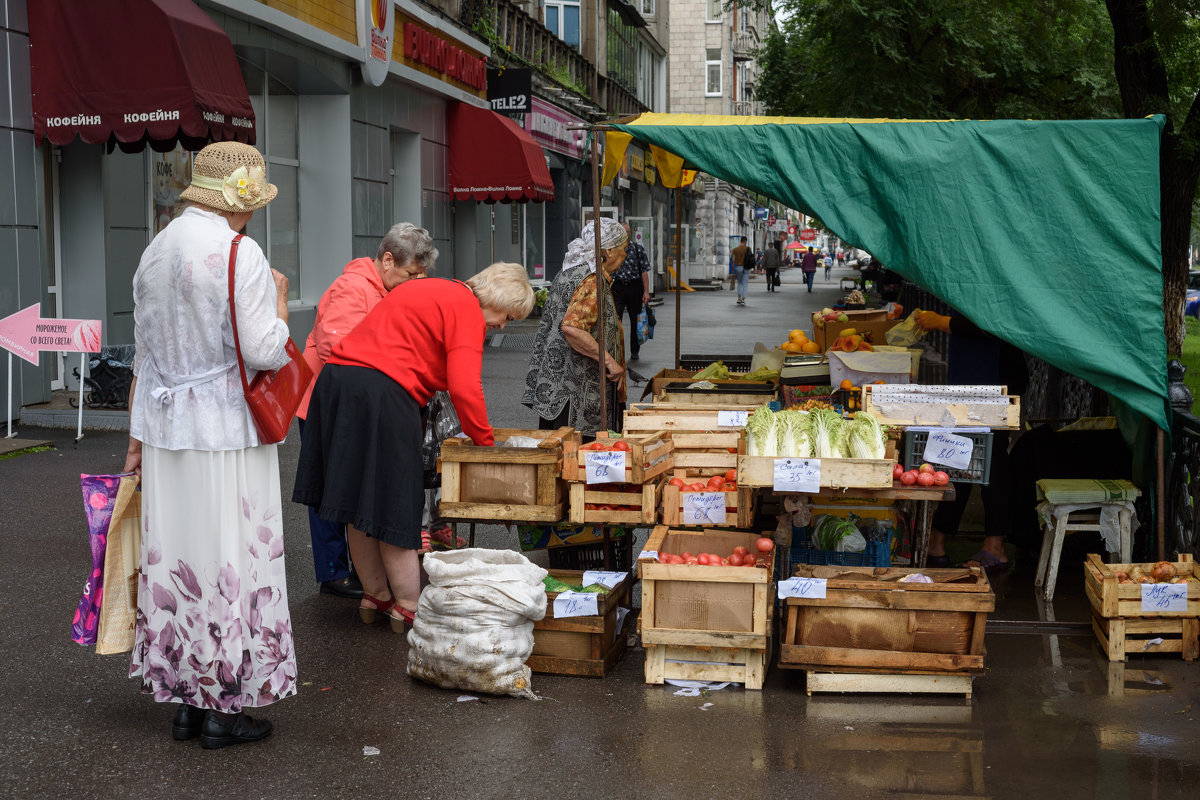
(590, 556)
(738, 363)
(981, 456)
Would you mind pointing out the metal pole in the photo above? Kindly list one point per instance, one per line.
(1160, 501)
(10, 371)
(79, 425)
(678, 263)
(492, 208)
(600, 288)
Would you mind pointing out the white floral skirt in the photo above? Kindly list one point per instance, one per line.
(213, 628)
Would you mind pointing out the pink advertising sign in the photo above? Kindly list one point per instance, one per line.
(555, 129)
(26, 333)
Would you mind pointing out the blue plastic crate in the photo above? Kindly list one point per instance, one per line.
(877, 554)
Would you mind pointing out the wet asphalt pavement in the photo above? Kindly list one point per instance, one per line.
(1050, 718)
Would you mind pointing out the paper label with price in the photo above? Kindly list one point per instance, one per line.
(1168, 597)
(652, 555)
(944, 447)
(802, 587)
(797, 475)
(605, 467)
(704, 507)
(609, 579)
(732, 419)
(575, 604)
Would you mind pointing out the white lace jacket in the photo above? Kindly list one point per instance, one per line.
(189, 394)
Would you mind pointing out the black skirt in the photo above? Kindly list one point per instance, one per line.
(360, 457)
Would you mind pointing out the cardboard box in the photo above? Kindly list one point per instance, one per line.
(872, 325)
(541, 537)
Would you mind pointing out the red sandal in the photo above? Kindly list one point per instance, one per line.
(405, 617)
(367, 615)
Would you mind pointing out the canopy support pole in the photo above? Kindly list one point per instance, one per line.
(10, 382)
(1160, 500)
(600, 289)
(492, 208)
(678, 264)
(79, 424)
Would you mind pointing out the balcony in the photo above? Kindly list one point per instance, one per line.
(748, 108)
(744, 44)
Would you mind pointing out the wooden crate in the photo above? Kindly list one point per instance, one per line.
(948, 415)
(680, 417)
(739, 503)
(1123, 628)
(871, 624)
(706, 454)
(664, 376)
(587, 646)
(836, 473)
(649, 456)
(645, 497)
(705, 623)
(520, 484)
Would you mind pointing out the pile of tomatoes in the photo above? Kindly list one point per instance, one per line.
(608, 445)
(716, 483)
(740, 557)
(925, 475)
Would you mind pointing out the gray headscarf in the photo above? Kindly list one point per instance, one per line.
(581, 252)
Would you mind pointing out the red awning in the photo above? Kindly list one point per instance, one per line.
(493, 160)
(134, 72)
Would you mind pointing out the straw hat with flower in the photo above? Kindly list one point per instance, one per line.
(230, 176)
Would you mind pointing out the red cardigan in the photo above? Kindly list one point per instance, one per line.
(412, 336)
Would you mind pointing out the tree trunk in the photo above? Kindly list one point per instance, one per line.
(1178, 177)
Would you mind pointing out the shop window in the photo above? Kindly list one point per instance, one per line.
(276, 228)
(712, 70)
(622, 51)
(562, 18)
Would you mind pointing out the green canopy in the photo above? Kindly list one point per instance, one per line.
(1045, 233)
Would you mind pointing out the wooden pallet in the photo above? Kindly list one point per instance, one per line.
(649, 456)
(1120, 637)
(836, 473)
(681, 417)
(585, 646)
(518, 484)
(1123, 628)
(705, 623)
(888, 683)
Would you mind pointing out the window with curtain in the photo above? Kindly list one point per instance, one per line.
(712, 72)
(647, 8)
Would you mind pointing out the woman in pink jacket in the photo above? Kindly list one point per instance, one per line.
(406, 252)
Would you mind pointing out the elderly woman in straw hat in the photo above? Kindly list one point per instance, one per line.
(213, 631)
(360, 458)
(563, 382)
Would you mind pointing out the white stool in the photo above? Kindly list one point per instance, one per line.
(1088, 498)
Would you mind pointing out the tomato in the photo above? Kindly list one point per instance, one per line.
(620, 444)
(897, 470)
(909, 477)
(692, 560)
(696, 487)
(741, 551)
(925, 468)
(731, 449)
(685, 555)
(605, 507)
(676, 482)
(940, 478)
(594, 446)
(925, 478)
(702, 559)
(749, 560)
(765, 544)
(716, 483)
(724, 562)
(735, 560)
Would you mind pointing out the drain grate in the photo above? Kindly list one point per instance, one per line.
(513, 341)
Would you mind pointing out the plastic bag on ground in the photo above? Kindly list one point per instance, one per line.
(474, 624)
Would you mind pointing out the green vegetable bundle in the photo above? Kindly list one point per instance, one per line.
(554, 585)
(821, 433)
(716, 371)
(829, 530)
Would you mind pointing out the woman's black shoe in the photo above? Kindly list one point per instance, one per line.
(187, 722)
(348, 587)
(222, 730)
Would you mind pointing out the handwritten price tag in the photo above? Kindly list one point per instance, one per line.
(1160, 597)
(605, 467)
(575, 604)
(797, 475)
(731, 419)
(652, 555)
(609, 579)
(802, 587)
(704, 507)
(944, 447)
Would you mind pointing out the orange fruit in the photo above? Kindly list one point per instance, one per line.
(846, 384)
(797, 336)
(810, 347)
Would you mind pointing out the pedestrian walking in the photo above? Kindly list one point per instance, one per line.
(406, 252)
(631, 288)
(808, 265)
(739, 257)
(828, 265)
(771, 262)
(213, 631)
(361, 463)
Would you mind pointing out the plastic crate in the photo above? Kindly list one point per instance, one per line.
(981, 456)
(695, 363)
(590, 556)
(877, 554)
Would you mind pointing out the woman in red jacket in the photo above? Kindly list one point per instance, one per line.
(406, 252)
(360, 460)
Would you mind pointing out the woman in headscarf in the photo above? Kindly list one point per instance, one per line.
(563, 382)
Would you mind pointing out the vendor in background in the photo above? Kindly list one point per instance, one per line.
(631, 287)
(977, 358)
(563, 382)
(406, 252)
(361, 463)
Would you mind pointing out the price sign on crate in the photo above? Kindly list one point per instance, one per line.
(575, 604)
(604, 467)
(944, 447)
(704, 507)
(797, 475)
(801, 587)
(731, 419)
(1168, 597)
(609, 579)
